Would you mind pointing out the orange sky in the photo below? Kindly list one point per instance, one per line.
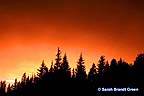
(31, 30)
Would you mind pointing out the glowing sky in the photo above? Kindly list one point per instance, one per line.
(31, 30)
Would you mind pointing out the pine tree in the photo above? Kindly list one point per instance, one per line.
(58, 60)
(113, 65)
(9, 90)
(65, 69)
(32, 78)
(27, 80)
(81, 71)
(51, 70)
(107, 75)
(65, 65)
(139, 70)
(101, 65)
(15, 84)
(42, 70)
(92, 74)
(23, 80)
(107, 68)
(113, 72)
(139, 63)
(120, 62)
(3, 88)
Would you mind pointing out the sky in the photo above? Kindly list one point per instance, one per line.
(32, 30)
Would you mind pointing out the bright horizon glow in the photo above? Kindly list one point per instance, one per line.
(30, 63)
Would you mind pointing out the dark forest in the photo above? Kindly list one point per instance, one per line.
(62, 80)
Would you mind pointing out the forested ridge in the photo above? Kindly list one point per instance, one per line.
(62, 80)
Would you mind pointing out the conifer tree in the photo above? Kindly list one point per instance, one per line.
(65, 69)
(107, 68)
(42, 70)
(107, 74)
(81, 71)
(139, 70)
(92, 74)
(101, 66)
(113, 66)
(51, 70)
(3, 88)
(58, 60)
(23, 80)
(113, 72)
(15, 84)
(9, 90)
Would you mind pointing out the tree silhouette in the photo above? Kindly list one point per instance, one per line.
(106, 68)
(23, 80)
(15, 84)
(57, 65)
(42, 70)
(92, 73)
(51, 70)
(107, 75)
(81, 77)
(139, 63)
(139, 70)
(65, 69)
(92, 78)
(2, 88)
(80, 71)
(101, 66)
(9, 90)
(58, 60)
(122, 73)
(113, 72)
(113, 65)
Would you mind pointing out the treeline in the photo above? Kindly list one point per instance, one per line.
(60, 79)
